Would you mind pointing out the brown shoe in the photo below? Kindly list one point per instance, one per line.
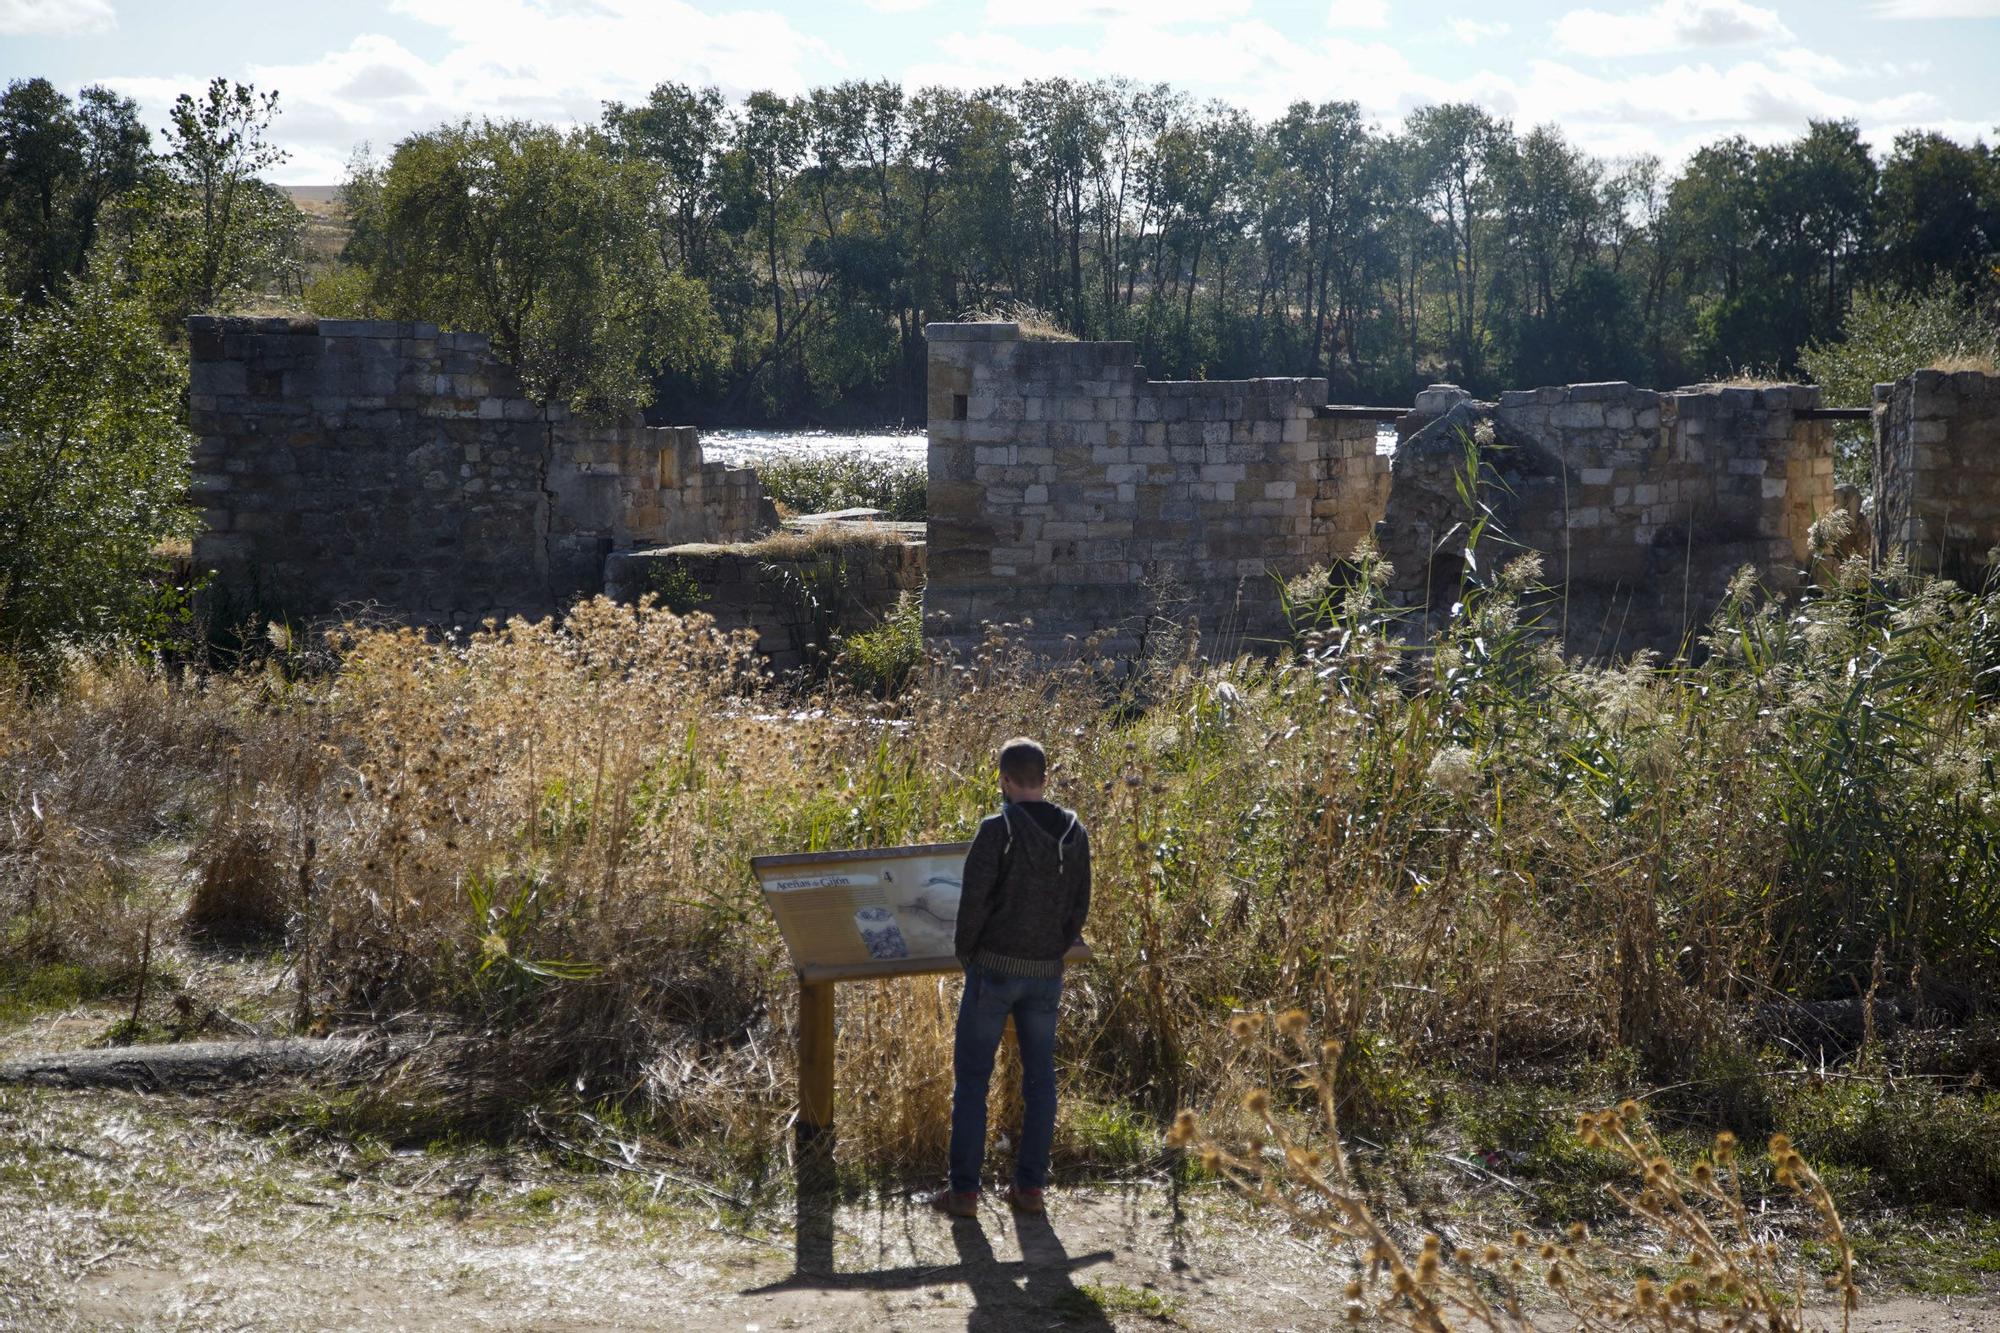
(1025, 1201)
(949, 1200)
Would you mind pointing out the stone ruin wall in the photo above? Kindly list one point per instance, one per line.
(1937, 472)
(1643, 505)
(350, 466)
(1068, 489)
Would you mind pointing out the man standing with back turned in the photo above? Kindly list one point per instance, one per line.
(1025, 896)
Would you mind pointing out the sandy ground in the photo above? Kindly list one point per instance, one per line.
(129, 1211)
(123, 1210)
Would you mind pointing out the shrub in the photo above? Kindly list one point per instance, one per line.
(815, 484)
(1888, 334)
(93, 474)
(881, 660)
(240, 897)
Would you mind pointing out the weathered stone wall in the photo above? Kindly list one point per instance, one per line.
(1067, 489)
(1937, 471)
(345, 465)
(794, 594)
(1643, 505)
(1352, 476)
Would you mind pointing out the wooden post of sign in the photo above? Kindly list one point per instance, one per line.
(815, 1129)
(816, 1197)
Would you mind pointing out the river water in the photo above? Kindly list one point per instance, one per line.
(740, 448)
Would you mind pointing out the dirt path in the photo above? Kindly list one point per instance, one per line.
(128, 1210)
(131, 1211)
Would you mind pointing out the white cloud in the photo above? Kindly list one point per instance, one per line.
(1151, 13)
(547, 60)
(1670, 25)
(1810, 64)
(1358, 14)
(56, 18)
(1472, 31)
(1936, 9)
(1253, 65)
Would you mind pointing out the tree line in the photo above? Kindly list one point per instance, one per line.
(777, 259)
(788, 251)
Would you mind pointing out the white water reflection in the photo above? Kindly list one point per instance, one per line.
(747, 448)
(740, 448)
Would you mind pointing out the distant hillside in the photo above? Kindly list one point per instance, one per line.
(326, 223)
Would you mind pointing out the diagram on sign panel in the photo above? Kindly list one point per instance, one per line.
(925, 904)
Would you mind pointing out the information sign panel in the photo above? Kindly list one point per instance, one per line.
(866, 913)
(881, 913)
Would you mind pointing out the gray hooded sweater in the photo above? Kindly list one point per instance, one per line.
(1026, 890)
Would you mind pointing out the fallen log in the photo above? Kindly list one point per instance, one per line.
(195, 1066)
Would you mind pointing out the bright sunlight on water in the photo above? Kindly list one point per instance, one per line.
(740, 447)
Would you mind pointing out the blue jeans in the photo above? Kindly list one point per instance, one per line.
(982, 1016)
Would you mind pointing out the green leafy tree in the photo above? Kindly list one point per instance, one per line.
(1890, 333)
(541, 239)
(1939, 211)
(828, 228)
(61, 164)
(1461, 144)
(93, 471)
(209, 230)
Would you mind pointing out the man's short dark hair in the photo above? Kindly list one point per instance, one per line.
(1024, 761)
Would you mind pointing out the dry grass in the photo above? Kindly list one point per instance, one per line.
(1036, 324)
(822, 539)
(535, 844)
(1951, 365)
(1730, 1272)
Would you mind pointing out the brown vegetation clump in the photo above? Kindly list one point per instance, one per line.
(1729, 1269)
(1036, 324)
(239, 897)
(822, 539)
(534, 845)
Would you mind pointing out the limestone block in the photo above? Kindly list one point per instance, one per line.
(1577, 415)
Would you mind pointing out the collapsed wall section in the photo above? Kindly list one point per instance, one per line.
(1069, 491)
(1937, 472)
(374, 466)
(799, 593)
(1642, 505)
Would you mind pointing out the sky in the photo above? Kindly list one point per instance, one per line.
(1618, 78)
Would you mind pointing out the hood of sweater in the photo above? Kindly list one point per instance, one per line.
(1037, 831)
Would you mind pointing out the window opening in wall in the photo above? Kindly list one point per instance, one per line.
(958, 407)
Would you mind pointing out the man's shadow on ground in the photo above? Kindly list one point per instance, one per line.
(1044, 1270)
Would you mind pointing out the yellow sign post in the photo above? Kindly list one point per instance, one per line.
(853, 916)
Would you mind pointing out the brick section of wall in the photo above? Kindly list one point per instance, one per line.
(1937, 471)
(794, 603)
(349, 464)
(1643, 505)
(1352, 485)
(1068, 489)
